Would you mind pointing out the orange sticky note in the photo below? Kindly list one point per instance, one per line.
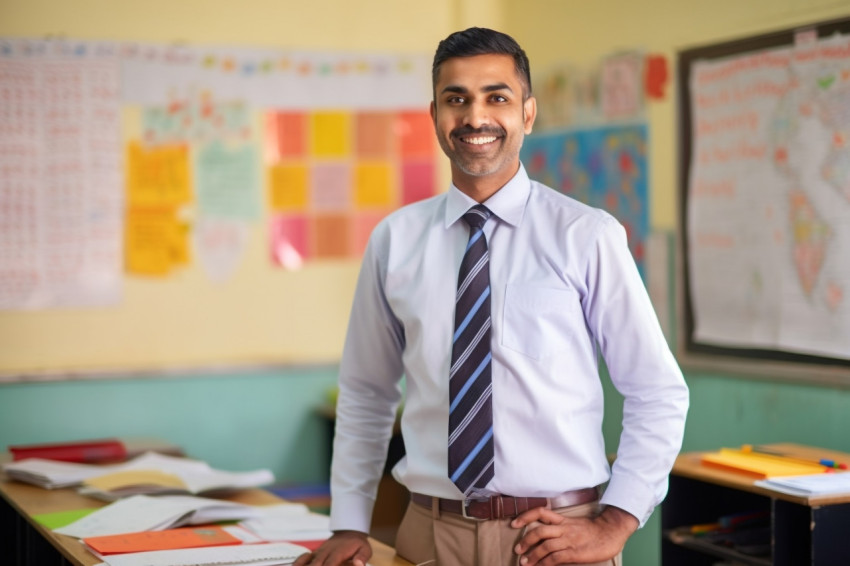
(171, 539)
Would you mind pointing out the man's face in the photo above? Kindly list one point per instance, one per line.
(480, 116)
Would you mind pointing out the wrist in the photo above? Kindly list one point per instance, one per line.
(622, 520)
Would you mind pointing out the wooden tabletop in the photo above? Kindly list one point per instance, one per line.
(29, 500)
(689, 465)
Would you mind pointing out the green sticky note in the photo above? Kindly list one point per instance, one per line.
(61, 518)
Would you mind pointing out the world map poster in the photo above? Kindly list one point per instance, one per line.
(605, 167)
(768, 199)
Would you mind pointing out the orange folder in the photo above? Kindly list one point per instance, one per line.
(170, 539)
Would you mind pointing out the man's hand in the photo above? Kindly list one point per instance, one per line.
(567, 540)
(343, 547)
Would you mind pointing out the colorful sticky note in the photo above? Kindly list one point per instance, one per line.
(331, 235)
(288, 186)
(289, 240)
(331, 134)
(416, 132)
(330, 188)
(417, 181)
(286, 135)
(155, 241)
(375, 135)
(373, 185)
(656, 76)
(158, 176)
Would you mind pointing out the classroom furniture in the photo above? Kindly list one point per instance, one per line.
(27, 543)
(802, 530)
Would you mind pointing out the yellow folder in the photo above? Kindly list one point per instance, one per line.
(759, 465)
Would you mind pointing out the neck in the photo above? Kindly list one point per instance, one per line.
(482, 187)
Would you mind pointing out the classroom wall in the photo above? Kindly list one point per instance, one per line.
(239, 419)
(236, 418)
(726, 409)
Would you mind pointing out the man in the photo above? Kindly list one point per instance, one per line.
(512, 366)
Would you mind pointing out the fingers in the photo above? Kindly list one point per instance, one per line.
(539, 537)
(332, 557)
(539, 514)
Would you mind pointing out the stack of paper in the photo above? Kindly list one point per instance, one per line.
(144, 513)
(837, 483)
(273, 554)
(140, 530)
(51, 474)
(289, 522)
(150, 473)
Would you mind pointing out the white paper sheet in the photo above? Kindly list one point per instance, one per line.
(248, 554)
(146, 513)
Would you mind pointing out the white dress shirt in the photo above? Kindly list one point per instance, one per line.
(564, 288)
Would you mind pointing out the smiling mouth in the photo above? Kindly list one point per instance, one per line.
(480, 140)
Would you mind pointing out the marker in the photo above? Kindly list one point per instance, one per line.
(833, 464)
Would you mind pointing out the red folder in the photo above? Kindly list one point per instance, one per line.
(85, 451)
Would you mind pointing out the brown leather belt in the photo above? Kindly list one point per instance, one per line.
(504, 506)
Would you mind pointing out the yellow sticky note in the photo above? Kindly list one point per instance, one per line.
(158, 176)
(288, 187)
(373, 185)
(155, 241)
(331, 133)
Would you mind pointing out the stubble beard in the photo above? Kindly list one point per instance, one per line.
(481, 166)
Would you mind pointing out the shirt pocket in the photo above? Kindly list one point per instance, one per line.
(541, 321)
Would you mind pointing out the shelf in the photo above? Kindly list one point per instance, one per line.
(700, 544)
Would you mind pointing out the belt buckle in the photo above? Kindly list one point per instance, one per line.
(463, 507)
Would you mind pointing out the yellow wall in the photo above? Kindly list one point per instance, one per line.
(186, 321)
(553, 31)
(331, 24)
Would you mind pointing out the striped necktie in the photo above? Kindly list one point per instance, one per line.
(470, 389)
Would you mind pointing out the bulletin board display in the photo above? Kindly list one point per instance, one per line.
(168, 207)
(765, 203)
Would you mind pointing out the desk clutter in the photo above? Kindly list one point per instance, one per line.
(791, 474)
(153, 531)
(155, 516)
(151, 473)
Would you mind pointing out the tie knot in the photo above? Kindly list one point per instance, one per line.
(477, 216)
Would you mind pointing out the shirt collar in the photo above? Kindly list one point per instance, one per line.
(508, 203)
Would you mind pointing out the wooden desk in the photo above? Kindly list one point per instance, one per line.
(803, 530)
(24, 542)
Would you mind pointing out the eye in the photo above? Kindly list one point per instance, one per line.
(456, 99)
(498, 98)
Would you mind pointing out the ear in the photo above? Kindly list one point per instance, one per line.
(529, 109)
(434, 112)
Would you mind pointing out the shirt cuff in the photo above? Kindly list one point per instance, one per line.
(351, 512)
(630, 495)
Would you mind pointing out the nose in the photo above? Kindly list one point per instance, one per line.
(476, 116)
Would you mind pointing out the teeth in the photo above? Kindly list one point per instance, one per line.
(479, 141)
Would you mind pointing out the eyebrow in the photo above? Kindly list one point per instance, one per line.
(489, 88)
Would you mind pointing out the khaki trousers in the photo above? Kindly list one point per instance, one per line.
(429, 538)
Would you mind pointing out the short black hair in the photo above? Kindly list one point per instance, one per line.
(482, 41)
